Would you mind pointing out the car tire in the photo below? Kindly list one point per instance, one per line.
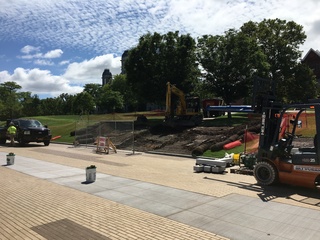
(21, 142)
(46, 143)
(3, 140)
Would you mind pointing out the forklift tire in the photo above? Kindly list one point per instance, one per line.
(265, 173)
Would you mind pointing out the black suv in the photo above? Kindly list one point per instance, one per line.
(28, 130)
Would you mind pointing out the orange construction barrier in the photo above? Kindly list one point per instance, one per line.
(232, 145)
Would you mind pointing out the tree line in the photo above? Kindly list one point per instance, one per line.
(93, 99)
(210, 66)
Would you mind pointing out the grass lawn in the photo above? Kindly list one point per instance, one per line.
(62, 125)
(221, 153)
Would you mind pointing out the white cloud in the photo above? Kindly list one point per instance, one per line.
(64, 62)
(38, 57)
(53, 54)
(28, 49)
(40, 82)
(43, 62)
(31, 56)
(98, 28)
(77, 74)
(114, 26)
(56, 53)
(90, 71)
(118, 24)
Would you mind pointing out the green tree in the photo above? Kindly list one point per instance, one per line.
(110, 100)
(30, 104)
(119, 84)
(50, 106)
(66, 103)
(302, 85)
(93, 89)
(229, 61)
(159, 59)
(84, 103)
(279, 40)
(10, 101)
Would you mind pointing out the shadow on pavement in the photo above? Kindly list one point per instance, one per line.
(268, 193)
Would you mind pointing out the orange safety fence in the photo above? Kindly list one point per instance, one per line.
(251, 141)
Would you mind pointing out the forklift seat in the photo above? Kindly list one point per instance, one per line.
(310, 149)
(306, 155)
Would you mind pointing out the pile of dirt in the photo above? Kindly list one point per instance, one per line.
(186, 141)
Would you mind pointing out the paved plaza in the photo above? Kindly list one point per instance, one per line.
(44, 195)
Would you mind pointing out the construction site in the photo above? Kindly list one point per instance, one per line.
(280, 140)
(154, 183)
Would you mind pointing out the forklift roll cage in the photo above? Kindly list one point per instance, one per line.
(271, 127)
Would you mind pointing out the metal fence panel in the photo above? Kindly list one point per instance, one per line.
(118, 132)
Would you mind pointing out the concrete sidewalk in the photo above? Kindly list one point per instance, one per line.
(55, 196)
(35, 208)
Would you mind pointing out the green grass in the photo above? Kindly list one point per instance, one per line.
(221, 153)
(62, 125)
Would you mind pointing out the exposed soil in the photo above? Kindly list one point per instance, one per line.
(184, 141)
(187, 141)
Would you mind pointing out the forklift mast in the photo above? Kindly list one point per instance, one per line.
(264, 103)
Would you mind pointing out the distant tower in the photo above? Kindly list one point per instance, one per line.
(123, 59)
(106, 77)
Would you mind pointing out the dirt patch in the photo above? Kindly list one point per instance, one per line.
(185, 140)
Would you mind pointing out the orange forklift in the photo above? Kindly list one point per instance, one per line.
(277, 159)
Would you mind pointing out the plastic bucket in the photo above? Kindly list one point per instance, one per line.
(236, 157)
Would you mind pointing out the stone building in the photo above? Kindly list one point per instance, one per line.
(106, 77)
(312, 59)
(123, 59)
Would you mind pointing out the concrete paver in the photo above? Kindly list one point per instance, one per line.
(157, 195)
(29, 202)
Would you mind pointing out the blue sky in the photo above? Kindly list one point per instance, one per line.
(51, 47)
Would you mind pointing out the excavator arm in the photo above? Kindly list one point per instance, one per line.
(187, 112)
(182, 107)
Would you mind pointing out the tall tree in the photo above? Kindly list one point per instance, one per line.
(110, 100)
(50, 106)
(159, 59)
(120, 84)
(93, 89)
(279, 40)
(66, 100)
(84, 103)
(10, 101)
(30, 104)
(229, 62)
(301, 86)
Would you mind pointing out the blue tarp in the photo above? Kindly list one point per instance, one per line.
(230, 108)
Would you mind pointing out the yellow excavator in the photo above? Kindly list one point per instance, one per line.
(185, 112)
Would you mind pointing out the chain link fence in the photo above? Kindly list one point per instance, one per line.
(121, 133)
